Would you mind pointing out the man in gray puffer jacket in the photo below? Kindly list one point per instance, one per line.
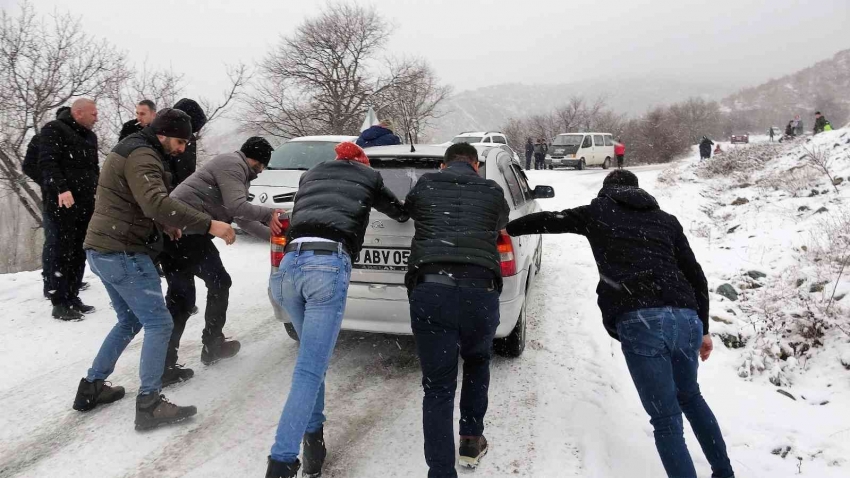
(219, 188)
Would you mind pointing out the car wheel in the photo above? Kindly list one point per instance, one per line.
(514, 344)
(290, 330)
(607, 163)
(581, 165)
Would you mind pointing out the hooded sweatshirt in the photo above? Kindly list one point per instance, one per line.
(183, 165)
(642, 254)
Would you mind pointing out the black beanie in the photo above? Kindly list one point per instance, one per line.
(172, 123)
(258, 149)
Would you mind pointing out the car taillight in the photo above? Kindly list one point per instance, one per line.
(506, 254)
(278, 243)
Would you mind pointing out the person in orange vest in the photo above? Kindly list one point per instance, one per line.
(620, 152)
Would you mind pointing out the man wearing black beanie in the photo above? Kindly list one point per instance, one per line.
(219, 188)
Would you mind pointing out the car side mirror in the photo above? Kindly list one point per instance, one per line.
(543, 192)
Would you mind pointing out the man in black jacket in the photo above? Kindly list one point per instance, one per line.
(327, 226)
(183, 165)
(454, 281)
(529, 153)
(68, 160)
(145, 114)
(654, 300)
(705, 148)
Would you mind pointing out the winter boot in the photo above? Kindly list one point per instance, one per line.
(279, 469)
(472, 449)
(84, 285)
(92, 394)
(78, 305)
(64, 312)
(314, 454)
(153, 410)
(219, 349)
(176, 374)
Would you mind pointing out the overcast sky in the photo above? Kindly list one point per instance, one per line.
(474, 43)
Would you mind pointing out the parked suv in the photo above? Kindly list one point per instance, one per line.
(377, 298)
(579, 150)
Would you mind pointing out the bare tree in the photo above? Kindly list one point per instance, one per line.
(43, 64)
(414, 100)
(321, 78)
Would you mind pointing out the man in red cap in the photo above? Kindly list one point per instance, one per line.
(326, 230)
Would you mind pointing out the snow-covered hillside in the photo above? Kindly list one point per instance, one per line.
(567, 407)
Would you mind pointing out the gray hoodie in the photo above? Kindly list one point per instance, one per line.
(220, 189)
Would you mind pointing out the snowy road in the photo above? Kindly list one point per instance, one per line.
(565, 408)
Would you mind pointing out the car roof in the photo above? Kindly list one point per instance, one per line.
(333, 138)
(589, 132)
(422, 150)
(477, 133)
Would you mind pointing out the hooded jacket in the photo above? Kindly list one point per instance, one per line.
(132, 196)
(183, 165)
(377, 136)
(220, 189)
(705, 146)
(68, 161)
(642, 254)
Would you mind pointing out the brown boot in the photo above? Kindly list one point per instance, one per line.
(153, 410)
(472, 449)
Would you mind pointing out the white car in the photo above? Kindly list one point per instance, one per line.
(276, 187)
(377, 297)
(579, 150)
(487, 138)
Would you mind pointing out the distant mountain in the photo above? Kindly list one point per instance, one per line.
(824, 86)
(490, 107)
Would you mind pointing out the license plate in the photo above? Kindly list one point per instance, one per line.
(382, 259)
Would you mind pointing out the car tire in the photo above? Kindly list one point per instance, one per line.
(606, 164)
(290, 330)
(514, 344)
(581, 165)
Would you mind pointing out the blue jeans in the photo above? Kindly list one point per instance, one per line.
(312, 288)
(447, 321)
(661, 347)
(135, 291)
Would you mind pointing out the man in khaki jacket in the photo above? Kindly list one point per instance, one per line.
(123, 235)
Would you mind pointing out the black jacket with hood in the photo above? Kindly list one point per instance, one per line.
(642, 254)
(182, 166)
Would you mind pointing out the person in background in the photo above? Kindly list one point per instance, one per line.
(771, 133)
(380, 134)
(68, 161)
(145, 113)
(654, 300)
(705, 148)
(183, 165)
(454, 280)
(717, 150)
(529, 153)
(620, 152)
(326, 231)
(821, 124)
(123, 236)
(220, 189)
(540, 154)
(798, 126)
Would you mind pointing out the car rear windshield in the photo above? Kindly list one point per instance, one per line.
(401, 174)
(466, 139)
(568, 140)
(302, 155)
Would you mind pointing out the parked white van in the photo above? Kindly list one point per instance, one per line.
(579, 150)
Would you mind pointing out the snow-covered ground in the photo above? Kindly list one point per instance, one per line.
(567, 407)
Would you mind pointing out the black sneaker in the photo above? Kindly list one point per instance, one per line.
(471, 450)
(92, 394)
(153, 410)
(64, 312)
(78, 305)
(220, 349)
(84, 285)
(314, 454)
(176, 374)
(279, 469)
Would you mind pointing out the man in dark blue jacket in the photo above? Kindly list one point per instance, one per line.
(654, 300)
(379, 135)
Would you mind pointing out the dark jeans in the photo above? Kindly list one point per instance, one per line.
(528, 161)
(661, 347)
(194, 256)
(446, 321)
(620, 160)
(63, 257)
(539, 161)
